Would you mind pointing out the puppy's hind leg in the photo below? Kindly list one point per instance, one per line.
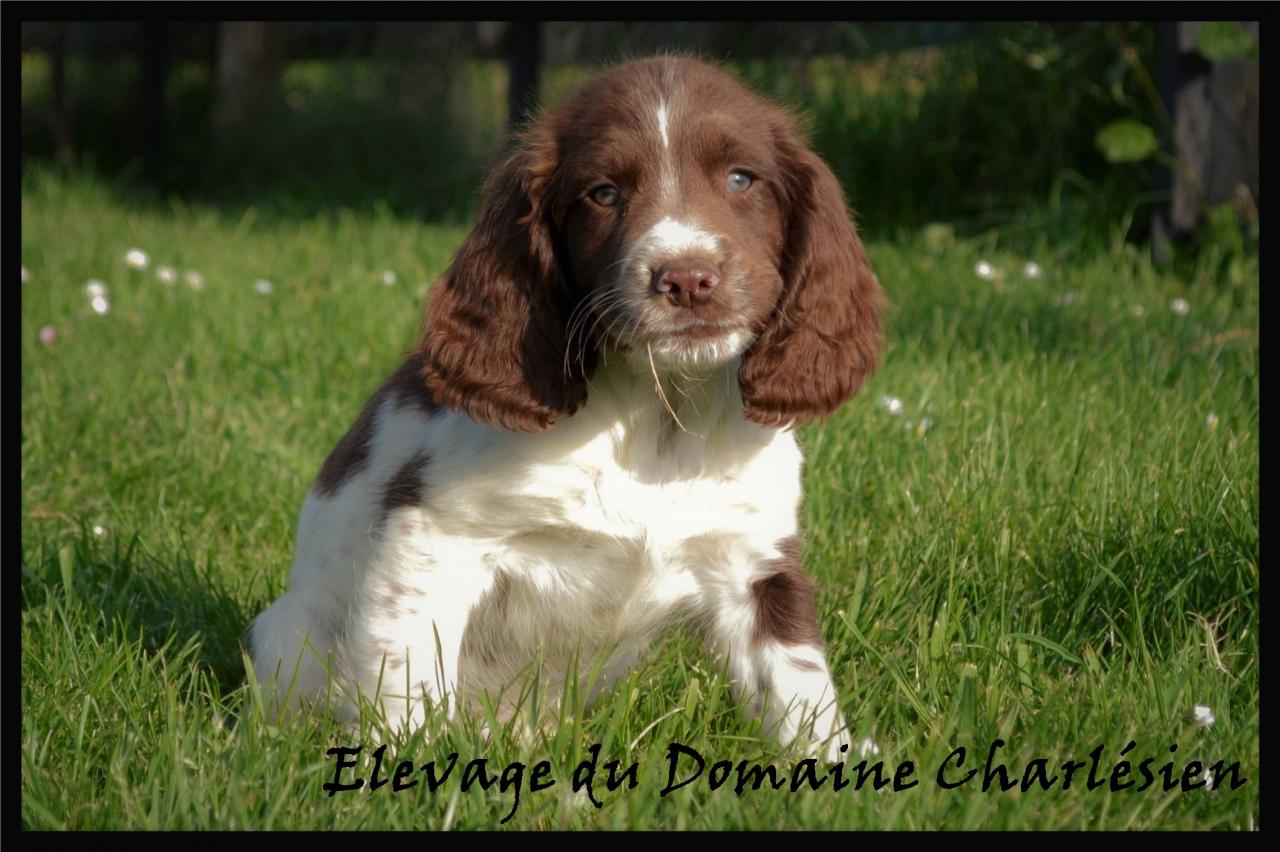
(292, 645)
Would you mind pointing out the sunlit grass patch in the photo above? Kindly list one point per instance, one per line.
(1066, 557)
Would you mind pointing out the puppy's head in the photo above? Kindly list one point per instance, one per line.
(667, 209)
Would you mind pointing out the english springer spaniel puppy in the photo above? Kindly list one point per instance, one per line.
(593, 440)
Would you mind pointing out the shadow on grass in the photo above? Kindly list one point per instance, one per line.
(1143, 582)
(155, 599)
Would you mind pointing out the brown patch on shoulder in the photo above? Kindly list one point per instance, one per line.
(352, 451)
(407, 387)
(406, 486)
(785, 610)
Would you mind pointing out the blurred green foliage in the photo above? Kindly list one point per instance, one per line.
(1126, 141)
(342, 133)
(993, 131)
(1223, 41)
(980, 130)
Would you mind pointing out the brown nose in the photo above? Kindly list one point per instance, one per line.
(686, 282)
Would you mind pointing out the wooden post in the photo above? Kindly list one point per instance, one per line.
(524, 57)
(154, 70)
(60, 118)
(1214, 107)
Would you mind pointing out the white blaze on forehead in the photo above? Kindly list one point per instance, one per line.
(668, 177)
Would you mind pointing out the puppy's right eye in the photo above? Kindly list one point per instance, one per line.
(606, 196)
(738, 181)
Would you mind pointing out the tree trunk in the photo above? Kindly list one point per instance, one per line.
(248, 71)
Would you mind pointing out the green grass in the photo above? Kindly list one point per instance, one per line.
(1067, 558)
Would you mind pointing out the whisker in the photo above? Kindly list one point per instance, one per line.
(609, 329)
(580, 308)
(577, 323)
(611, 302)
(628, 328)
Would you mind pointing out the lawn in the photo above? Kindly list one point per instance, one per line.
(1038, 522)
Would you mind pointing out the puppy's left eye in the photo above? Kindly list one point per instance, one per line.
(738, 181)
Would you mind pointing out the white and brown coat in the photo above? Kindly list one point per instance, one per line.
(593, 440)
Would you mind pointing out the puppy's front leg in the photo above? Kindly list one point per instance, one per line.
(767, 628)
(406, 640)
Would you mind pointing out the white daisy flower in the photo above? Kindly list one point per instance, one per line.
(48, 335)
(891, 404)
(1137, 310)
(95, 288)
(263, 286)
(1211, 420)
(985, 270)
(26, 275)
(194, 280)
(1032, 270)
(1181, 307)
(100, 531)
(136, 258)
(575, 800)
(167, 275)
(1201, 715)
(388, 278)
(100, 304)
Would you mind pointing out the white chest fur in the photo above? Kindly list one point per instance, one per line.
(594, 536)
(600, 532)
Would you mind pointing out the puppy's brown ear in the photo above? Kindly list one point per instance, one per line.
(495, 331)
(823, 337)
